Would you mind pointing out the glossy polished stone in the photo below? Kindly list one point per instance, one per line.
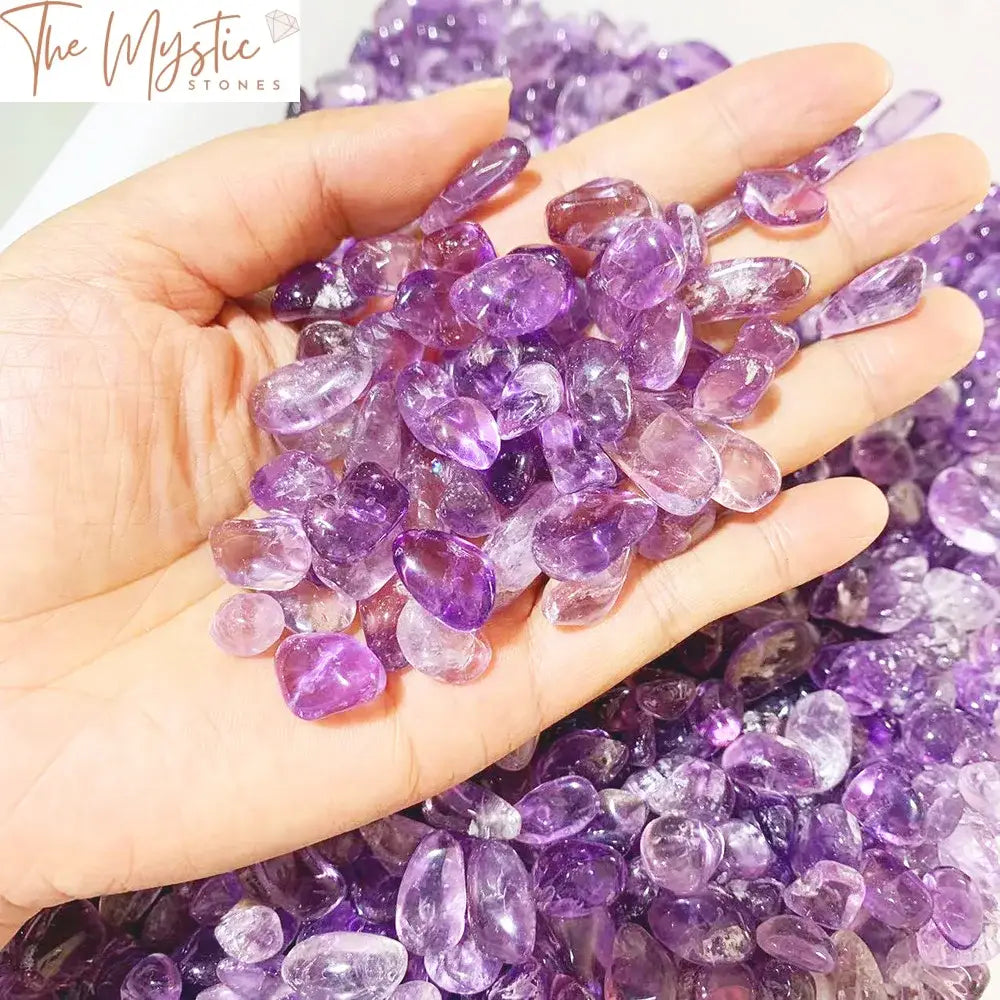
(644, 263)
(737, 289)
(885, 292)
(345, 966)
(430, 907)
(591, 215)
(781, 198)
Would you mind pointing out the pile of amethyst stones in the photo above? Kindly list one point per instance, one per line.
(800, 801)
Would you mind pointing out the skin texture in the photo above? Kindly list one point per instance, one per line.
(136, 753)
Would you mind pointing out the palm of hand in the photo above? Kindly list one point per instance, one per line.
(143, 754)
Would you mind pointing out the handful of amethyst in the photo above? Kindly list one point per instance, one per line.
(505, 419)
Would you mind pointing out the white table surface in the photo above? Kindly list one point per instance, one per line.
(945, 45)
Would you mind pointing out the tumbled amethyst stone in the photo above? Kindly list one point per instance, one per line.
(584, 533)
(315, 291)
(494, 168)
(323, 337)
(288, 482)
(780, 198)
(770, 764)
(574, 461)
(826, 161)
(501, 904)
(519, 465)
(573, 877)
(156, 977)
(734, 289)
(657, 345)
(771, 657)
(830, 893)
(345, 525)
(798, 941)
(459, 248)
(884, 801)
(533, 393)
(901, 117)
(643, 263)
(598, 389)
(430, 906)
(681, 854)
(447, 576)
(957, 906)
(732, 386)
(306, 393)
(511, 295)
(271, 553)
(881, 294)
(589, 753)
(423, 310)
(591, 215)
(482, 369)
(556, 810)
(768, 340)
(707, 929)
(322, 673)
(893, 893)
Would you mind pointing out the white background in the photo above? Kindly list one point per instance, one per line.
(946, 45)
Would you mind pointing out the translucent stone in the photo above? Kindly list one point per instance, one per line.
(315, 291)
(857, 975)
(798, 941)
(716, 713)
(685, 220)
(721, 218)
(933, 732)
(466, 506)
(520, 757)
(321, 674)
(312, 607)
(670, 460)
(582, 534)
(747, 854)
(781, 198)
(639, 969)
(894, 894)
(423, 310)
(533, 393)
(884, 801)
(155, 977)
(644, 263)
(473, 809)
(306, 883)
(250, 933)
(770, 764)
(247, 624)
(750, 478)
(430, 907)
(345, 966)
(347, 524)
(737, 289)
(377, 433)
(288, 482)
(957, 906)
(732, 387)
(900, 118)
(883, 293)
(585, 602)
(966, 602)
(306, 393)
(271, 553)
(936, 950)
(979, 784)
(362, 579)
(556, 810)
(966, 509)
(589, 753)
(734, 982)
(512, 295)
(518, 467)
(671, 535)
(821, 724)
(771, 657)
(685, 786)
(383, 338)
(573, 878)
(436, 650)
(591, 215)
(707, 929)
(494, 168)
(501, 904)
(681, 854)
(416, 990)
(459, 248)
(768, 340)
(393, 840)
(482, 369)
(620, 821)
(826, 161)
(574, 461)
(829, 893)
(509, 547)
(377, 265)
(464, 968)
(598, 389)
(447, 576)
(657, 345)
(327, 441)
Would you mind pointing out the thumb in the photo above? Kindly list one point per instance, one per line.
(241, 211)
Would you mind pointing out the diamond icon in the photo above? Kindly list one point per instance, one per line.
(281, 25)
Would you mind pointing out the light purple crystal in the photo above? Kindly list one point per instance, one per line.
(501, 907)
(591, 215)
(556, 809)
(894, 894)
(533, 393)
(885, 292)
(376, 266)
(770, 764)
(657, 346)
(247, 624)
(644, 263)
(681, 854)
(424, 312)
(430, 907)
(767, 340)
(826, 161)
(575, 462)
(735, 289)
(315, 291)
(321, 674)
(584, 602)
(377, 433)
(897, 121)
(771, 657)
(957, 906)
(733, 386)
(798, 941)
(829, 893)
(780, 198)
(250, 933)
(458, 248)
(288, 482)
(155, 977)
(707, 929)
(598, 389)
(584, 533)
(345, 966)
(494, 168)
(271, 553)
